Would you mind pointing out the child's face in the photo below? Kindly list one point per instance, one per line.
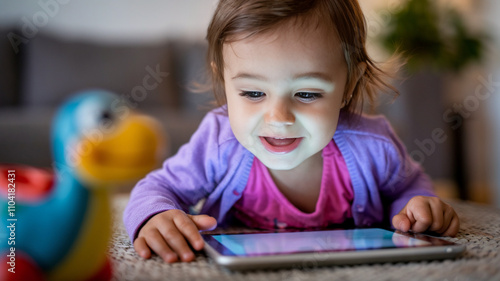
(284, 92)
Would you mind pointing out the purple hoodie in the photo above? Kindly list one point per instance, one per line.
(215, 166)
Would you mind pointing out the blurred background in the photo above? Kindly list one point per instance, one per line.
(149, 52)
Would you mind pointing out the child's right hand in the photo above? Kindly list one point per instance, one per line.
(167, 234)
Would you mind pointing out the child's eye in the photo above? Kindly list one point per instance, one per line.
(307, 96)
(252, 95)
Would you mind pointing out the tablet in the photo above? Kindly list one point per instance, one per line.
(244, 251)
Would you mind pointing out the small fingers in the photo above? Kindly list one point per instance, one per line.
(158, 244)
(401, 222)
(204, 222)
(438, 209)
(448, 214)
(454, 226)
(169, 234)
(422, 213)
(141, 247)
(188, 228)
(432, 214)
(176, 241)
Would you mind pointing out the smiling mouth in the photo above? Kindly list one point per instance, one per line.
(280, 145)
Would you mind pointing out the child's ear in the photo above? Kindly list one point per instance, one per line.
(213, 66)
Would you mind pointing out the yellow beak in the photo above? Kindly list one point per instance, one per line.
(127, 153)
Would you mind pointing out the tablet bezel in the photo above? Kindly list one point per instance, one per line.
(440, 249)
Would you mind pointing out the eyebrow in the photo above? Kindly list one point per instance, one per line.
(306, 75)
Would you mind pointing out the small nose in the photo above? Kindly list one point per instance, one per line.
(279, 114)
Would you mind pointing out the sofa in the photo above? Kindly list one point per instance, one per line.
(37, 75)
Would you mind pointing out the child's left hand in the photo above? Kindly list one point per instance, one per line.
(424, 213)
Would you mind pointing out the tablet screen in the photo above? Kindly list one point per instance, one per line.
(311, 241)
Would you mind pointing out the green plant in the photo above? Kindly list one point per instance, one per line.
(428, 35)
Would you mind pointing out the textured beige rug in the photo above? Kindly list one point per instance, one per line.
(480, 231)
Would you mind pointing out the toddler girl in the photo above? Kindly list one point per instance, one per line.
(286, 149)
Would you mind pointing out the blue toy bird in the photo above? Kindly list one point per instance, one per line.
(58, 227)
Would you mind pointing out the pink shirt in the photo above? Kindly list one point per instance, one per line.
(262, 205)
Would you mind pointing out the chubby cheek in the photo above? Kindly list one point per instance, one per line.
(244, 122)
(324, 130)
(321, 124)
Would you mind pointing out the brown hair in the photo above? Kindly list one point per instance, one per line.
(234, 18)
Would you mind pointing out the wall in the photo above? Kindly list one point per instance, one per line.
(111, 20)
(492, 20)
